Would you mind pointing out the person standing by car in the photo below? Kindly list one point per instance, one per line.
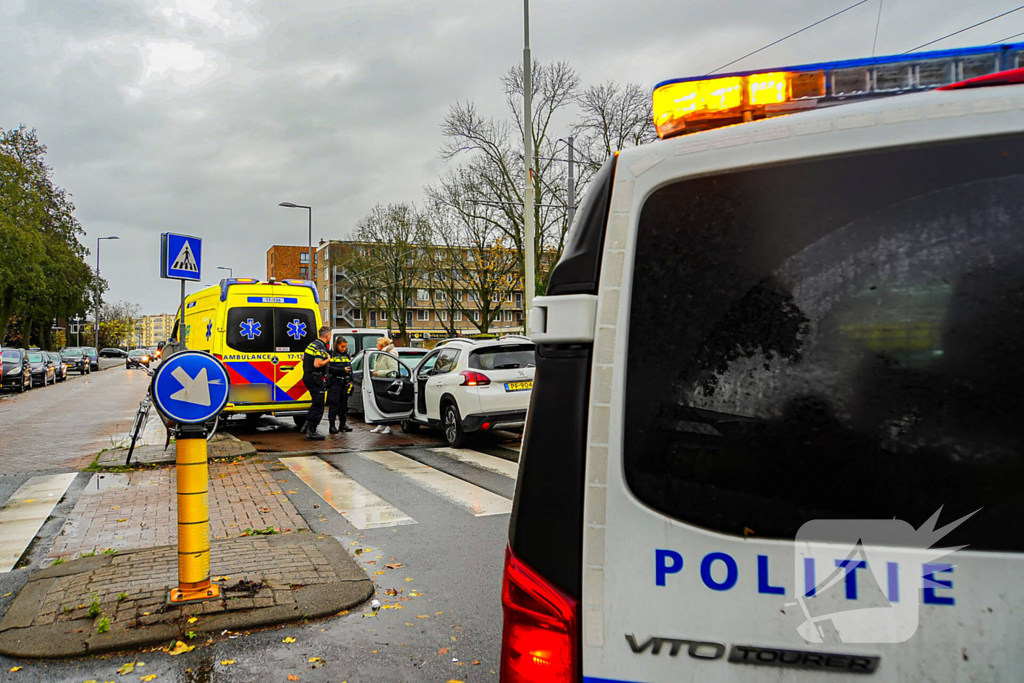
(314, 360)
(385, 366)
(339, 383)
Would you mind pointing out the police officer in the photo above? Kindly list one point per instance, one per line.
(339, 378)
(314, 362)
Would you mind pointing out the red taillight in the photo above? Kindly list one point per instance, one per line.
(538, 643)
(474, 379)
(485, 425)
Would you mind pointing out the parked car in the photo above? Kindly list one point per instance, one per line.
(15, 371)
(60, 368)
(464, 387)
(42, 368)
(113, 353)
(137, 358)
(76, 360)
(94, 357)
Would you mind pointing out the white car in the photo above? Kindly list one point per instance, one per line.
(462, 387)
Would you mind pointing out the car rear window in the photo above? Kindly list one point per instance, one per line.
(35, 358)
(835, 338)
(508, 357)
(135, 353)
(71, 353)
(10, 354)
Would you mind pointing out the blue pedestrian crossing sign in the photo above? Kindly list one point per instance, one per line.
(181, 257)
(191, 387)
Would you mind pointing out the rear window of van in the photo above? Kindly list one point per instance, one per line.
(835, 338)
(264, 329)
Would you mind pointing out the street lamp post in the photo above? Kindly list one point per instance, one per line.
(231, 272)
(289, 205)
(528, 219)
(96, 322)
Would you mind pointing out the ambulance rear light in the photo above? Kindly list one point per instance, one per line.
(692, 104)
(304, 283)
(539, 641)
(227, 282)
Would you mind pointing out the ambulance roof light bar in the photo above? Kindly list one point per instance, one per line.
(227, 282)
(305, 283)
(688, 105)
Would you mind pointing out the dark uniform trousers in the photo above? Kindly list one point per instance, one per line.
(337, 389)
(313, 378)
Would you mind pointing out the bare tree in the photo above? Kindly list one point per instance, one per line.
(395, 236)
(493, 148)
(613, 117)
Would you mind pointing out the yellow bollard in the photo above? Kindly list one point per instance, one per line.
(193, 519)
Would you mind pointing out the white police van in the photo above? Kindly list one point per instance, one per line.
(780, 376)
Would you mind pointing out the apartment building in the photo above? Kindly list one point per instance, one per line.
(289, 263)
(151, 329)
(426, 319)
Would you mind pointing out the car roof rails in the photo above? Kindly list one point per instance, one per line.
(514, 336)
(455, 339)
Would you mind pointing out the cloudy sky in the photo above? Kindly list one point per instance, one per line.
(200, 116)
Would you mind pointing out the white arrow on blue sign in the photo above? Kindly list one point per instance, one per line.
(181, 257)
(191, 387)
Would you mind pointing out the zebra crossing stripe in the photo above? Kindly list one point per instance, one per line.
(484, 461)
(359, 505)
(477, 500)
(24, 513)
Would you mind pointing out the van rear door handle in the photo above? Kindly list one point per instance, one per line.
(287, 367)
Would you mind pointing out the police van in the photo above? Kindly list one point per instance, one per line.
(259, 330)
(775, 430)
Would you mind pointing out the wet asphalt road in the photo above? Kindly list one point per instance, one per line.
(454, 561)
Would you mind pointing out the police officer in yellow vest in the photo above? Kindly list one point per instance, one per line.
(339, 385)
(314, 362)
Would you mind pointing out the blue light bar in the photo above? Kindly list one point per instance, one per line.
(227, 282)
(1007, 61)
(304, 283)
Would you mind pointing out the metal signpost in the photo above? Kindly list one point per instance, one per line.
(190, 389)
(181, 258)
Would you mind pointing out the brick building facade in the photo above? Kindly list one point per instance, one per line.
(289, 263)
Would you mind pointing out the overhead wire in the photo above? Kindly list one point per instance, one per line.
(877, 22)
(776, 42)
(966, 28)
(1003, 40)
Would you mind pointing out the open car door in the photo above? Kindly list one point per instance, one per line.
(387, 388)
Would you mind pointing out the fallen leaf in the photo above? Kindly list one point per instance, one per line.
(408, 578)
(476, 662)
(390, 591)
(126, 669)
(15, 668)
(293, 492)
(454, 639)
(193, 620)
(147, 677)
(123, 520)
(292, 677)
(422, 616)
(443, 651)
(378, 573)
(227, 662)
(408, 623)
(288, 640)
(394, 565)
(315, 659)
(6, 594)
(180, 648)
(438, 613)
(455, 680)
(373, 651)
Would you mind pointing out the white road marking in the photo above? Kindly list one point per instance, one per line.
(484, 461)
(479, 501)
(363, 508)
(24, 513)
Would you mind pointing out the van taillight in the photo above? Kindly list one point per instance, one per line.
(474, 379)
(538, 642)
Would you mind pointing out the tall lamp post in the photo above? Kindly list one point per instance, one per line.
(528, 221)
(231, 272)
(289, 205)
(96, 322)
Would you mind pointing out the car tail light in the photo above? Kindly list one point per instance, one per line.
(474, 379)
(539, 640)
(485, 425)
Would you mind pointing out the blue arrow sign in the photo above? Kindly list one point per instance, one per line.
(191, 387)
(181, 257)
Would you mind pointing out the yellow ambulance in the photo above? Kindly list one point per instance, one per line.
(259, 330)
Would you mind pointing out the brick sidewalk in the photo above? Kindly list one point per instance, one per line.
(140, 511)
(270, 580)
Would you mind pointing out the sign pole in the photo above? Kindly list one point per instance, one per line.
(181, 325)
(193, 517)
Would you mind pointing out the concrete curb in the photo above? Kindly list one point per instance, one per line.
(223, 445)
(29, 631)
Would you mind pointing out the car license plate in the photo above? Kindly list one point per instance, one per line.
(251, 393)
(518, 386)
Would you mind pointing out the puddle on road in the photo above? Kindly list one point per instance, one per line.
(103, 482)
